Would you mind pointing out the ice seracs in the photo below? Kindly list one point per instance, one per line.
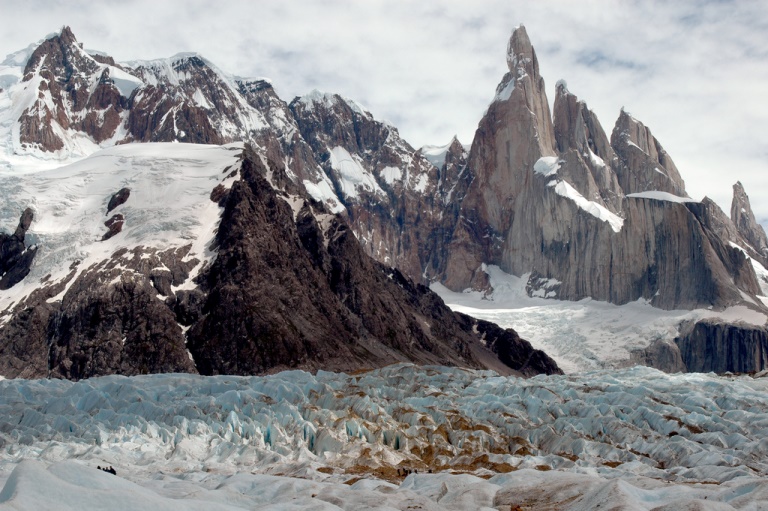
(400, 436)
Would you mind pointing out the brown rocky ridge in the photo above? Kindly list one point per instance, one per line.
(287, 289)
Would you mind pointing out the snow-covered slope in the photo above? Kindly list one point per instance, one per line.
(584, 335)
(168, 207)
(635, 438)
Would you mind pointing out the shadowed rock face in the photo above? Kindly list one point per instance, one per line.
(288, 289)
(744, 219)
(709, 345)
(15, 257)
(289, 294)
(721, 347)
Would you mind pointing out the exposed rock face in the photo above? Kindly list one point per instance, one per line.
(304, 294)
(644, 164)
(514, 133)
(744, 219)
(588, 158)
(72, 92)
(584, 216)
(663, 355)
(121, 329)
(109, 320)
(15, 257)
(290, 287)
(118, 199)
(548, 197)
(114, 224)
(394, 198)
(185, 98)
(720, 347)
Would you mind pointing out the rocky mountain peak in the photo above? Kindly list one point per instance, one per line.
(744, 219)
(520, 51)
(65, 93)
(67, 36)
(571, 120)
(584, 149)
(646, 166)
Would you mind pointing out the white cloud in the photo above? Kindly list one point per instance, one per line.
(694, 72)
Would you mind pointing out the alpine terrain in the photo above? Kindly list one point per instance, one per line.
(547, 197)
(240, 302)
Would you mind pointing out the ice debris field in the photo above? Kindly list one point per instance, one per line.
(401, 437)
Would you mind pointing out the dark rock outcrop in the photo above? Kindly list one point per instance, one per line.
(110, 318)
(290, 287)
(118, 199)
(287, 294)
(122, 328)
(716, 346)
(114, 224)
(15, 256)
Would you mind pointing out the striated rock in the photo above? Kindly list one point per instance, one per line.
(744, 220)
(282, 294)
(582, 216)
(587, 156)
(662, 355)
(514, 133)
(713, 345)
(644, 164)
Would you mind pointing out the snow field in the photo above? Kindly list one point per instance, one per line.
(168, 207)
(584, 335)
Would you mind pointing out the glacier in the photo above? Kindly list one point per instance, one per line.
(584, 335)
(438, 437)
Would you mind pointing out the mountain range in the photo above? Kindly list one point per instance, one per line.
(203, 224)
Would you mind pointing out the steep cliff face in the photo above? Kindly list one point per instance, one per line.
(259, 315)
(744, 220)
(393, 196)
(723, 347)
(67, 92)
(583, 216)
(514, 133)
(643, 164)
(281, 284)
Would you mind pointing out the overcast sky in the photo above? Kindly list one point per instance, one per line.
(695, 72)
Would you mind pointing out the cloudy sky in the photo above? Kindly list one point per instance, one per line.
(695, 72)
